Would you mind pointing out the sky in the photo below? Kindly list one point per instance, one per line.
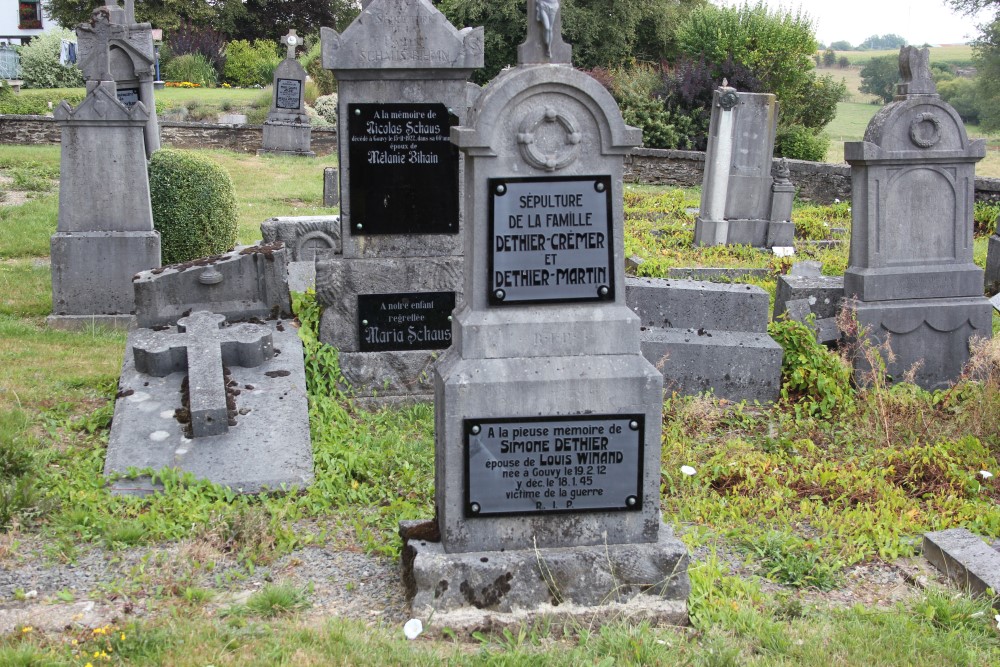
(918, 21)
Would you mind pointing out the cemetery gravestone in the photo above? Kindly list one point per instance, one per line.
(911, 277)
(993, 266)
(287, 130)
(741, 203)
(402, 74)
(547, 417)
(105, 231)
(131, 64)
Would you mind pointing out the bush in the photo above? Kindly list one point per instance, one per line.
(326, 106)
(312, 61)
(249, 64)
(191, 67)
(194, 205)
(813, 379)
(40, 66)
(34, 102)
(963, 95)
(800, 143)
(191, 39)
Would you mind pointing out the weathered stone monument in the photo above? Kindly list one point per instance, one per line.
(402, 73)
(993, 265)
(911, 274)
(741, 203)
(105, 232)
(224, 402)
(708, 337)
(547, 425)
(287, 130)
(132, 62)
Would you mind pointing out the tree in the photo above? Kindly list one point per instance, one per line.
(986, 53)
(829, 58)
(270, 19)
(879, 77)
(882, 42)
(843, 62)
(604, 33)
(166, 14)
(841, 45)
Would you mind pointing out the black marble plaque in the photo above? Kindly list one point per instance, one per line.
(550, 240)
(287, 93)
(543, 465)
(128, 96)
(416, 321)
(403, 169)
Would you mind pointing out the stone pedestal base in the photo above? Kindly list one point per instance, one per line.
(755, 233)
(780, 235)
(92, 272)
(932, 334)
(734, 365)
(390, 378)
(993, 266)
(287, 138)
(487, 589)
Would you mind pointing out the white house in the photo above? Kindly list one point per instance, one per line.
(20, 20)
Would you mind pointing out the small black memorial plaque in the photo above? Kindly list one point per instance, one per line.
(288, 94)
(404, 169)
(542, 465)
(128, 96)
(417, 321)
(550, 240)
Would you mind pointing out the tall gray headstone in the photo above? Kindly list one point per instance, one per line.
(287, 130)
(131, 63)
(741, 203)
(402, 74)
(105, 232)
(993, 265)
(547, 416)
(911, 274)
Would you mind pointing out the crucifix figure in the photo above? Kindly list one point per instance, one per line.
(291, 40)
(545, 13)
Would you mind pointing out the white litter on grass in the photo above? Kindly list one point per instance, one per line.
(985, 474)
(688, 470)
(413, 628)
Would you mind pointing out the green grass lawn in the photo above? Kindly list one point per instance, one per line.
(785, 502)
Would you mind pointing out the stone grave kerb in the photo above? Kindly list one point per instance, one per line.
(399, 51)
(912, 197)
(201, 348)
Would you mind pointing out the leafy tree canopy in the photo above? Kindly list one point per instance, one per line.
(879, 77)
(841, 45)
(882, 42)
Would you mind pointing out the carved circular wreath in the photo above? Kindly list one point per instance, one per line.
(535, 155)
(728, 100)
(918, 130)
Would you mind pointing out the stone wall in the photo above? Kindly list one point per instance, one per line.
(815, 181)
(242, 138)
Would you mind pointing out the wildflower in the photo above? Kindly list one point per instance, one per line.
(985, 474)
(688, 470)
(413, 628)
(123, 636)
(27, 629)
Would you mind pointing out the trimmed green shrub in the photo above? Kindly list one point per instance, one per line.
(800, 143)
(326, 106)
(249, 65)
(40, 66)
(194, 205)
(191, 67)
(34, 102)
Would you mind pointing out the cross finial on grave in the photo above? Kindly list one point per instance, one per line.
(291, 40)
(544, 43)
(129, 12)
(201, 347)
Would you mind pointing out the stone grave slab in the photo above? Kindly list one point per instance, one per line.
(824, 294)
(993, 265)
(964, 558)
(265, 444)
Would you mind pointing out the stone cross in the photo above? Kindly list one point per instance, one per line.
(291, 40)
(94, 38)
(129, 12)
(915, 72)
(201, 347)
(544, 43)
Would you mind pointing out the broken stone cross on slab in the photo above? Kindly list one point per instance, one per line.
(544, 43)
(94, 38)
(201, 347)
(291, 40)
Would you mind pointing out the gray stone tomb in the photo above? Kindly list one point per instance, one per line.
(402, 74)
(105, 231)
(993, 266)
(226, 403)
(741, 202)
(547, 417)
(287, 130)
(911, 278)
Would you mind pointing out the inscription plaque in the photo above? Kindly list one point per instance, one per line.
(404, 169)
(287, 94)
(128, 96)
(551, 240)
(544, 465)
(417, 321)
